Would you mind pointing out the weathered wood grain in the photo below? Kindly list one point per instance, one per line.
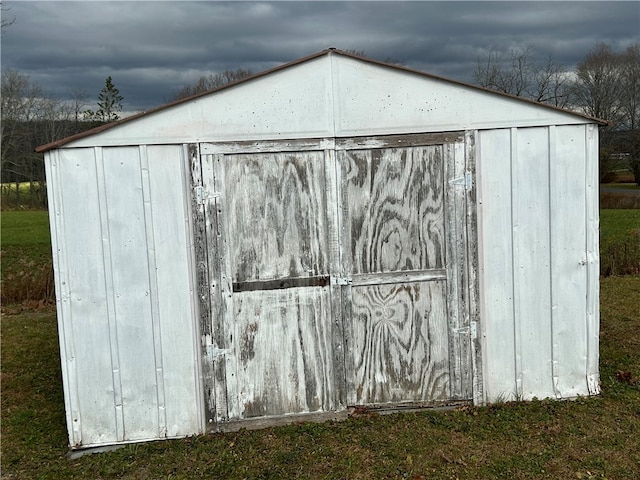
(332, 180)
(267, 146)
(277, 215)
(457, 273)
(393, 207)
(398, 346)
(398, 141)
(399, 277)
(205, 302)
(475, 365)
(284, 351)
(394, 246)
(224, 324)
(294, 342)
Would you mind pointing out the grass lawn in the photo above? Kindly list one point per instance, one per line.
(618, 223)
(589, 438)
(620, 241)
(25, 252)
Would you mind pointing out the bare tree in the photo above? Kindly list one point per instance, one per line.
(522, 76)
(5, 21)
(599, 84)
(630, 95)
(30, 117)
(210, 82)
(78, 103)
(20, 104)
(608, 87)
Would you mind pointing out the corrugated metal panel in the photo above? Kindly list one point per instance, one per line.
(123, 287)
(535, 286)
(81, 293)
(175, 325)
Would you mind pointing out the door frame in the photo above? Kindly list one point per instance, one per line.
(460, 202)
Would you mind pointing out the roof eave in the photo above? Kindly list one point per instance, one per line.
(102, 128)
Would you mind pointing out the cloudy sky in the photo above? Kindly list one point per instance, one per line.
(152, 48)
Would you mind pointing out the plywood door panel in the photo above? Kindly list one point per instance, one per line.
(272, 208)
(393, 209)
(394, 229)
(283, 340)
(399, 343)
(276, 215)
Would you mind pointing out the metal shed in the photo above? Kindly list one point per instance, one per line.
(330, 234)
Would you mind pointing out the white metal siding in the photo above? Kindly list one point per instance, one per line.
(536, 190)
(330, 96)
(123, 287)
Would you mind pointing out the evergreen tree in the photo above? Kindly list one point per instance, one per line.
(109, 103)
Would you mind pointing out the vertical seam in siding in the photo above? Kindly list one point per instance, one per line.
(593, 266)
(552, 157)
(65, 318)
(514, 265)
(462, 261)
(153, 288)
(110, 293)
(481, 271)
(476, 386)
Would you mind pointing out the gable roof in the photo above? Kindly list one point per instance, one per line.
(354, 92)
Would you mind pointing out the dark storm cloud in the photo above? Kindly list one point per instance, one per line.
(152, 49)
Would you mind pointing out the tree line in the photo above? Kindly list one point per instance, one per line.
(32, 117)
(605, 84)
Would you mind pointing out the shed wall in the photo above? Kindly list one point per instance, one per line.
(538, 234)
(122, 258)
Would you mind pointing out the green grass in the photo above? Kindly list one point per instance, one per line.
(626, 186)
(618, 223)
(588, 438)
(25, 228)
(619, 241)
(595, 437)
(25, 252)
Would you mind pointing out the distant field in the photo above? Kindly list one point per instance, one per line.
(25, 197)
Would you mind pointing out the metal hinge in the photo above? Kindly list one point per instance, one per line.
(471, 330)
(214, 352)
(202, 194)
(467, 181)
(340, 281)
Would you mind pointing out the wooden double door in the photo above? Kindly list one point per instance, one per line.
(333, 273)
